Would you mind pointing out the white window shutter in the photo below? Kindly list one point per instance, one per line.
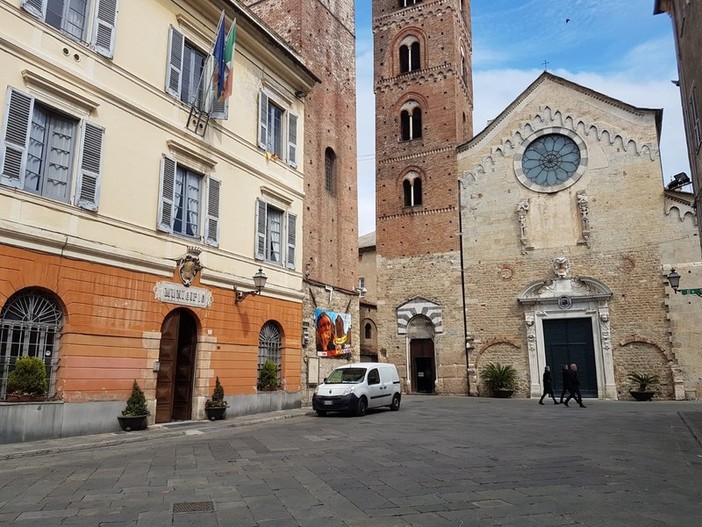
(167, 194)
(220, 110)
(261, 221)
(90, 164)
(35, 7)
(290, 255)
(263, 120)
(176, 42)
(292, 139)
(105, 25)
(212, 227)
(13, 153)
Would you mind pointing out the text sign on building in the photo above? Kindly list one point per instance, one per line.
(185, 296)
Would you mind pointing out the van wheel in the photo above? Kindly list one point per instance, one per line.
(362, 406)
(321, 413)
(395, 406)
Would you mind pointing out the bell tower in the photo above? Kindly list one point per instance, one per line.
(424, 107)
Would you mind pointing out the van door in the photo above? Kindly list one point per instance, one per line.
(376, 389)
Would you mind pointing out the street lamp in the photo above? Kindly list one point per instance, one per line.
(259, 282)
(674, 280)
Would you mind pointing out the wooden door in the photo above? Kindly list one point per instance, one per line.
(422, 365)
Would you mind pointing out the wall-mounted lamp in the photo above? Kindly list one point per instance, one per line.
(259, 282)
(674, 281)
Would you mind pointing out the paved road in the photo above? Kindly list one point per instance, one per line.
(439, 461)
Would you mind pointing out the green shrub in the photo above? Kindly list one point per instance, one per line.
(268, 376)
(136, 404)
(217, 399)
(499, 377)
(28, 377)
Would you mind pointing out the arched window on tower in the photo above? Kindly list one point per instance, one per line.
(409, 55)
(412, 190)
(411, 121)
(330, 171)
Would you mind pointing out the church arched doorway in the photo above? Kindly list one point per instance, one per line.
(422, 357)
(177, 353)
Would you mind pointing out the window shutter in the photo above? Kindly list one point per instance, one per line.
(261, 220)
(290, 256)
(263, 120)
(292, 139)
(212, 229)
(13, 155)
(175, 62)
(90, 163)
(167, 194)
(35, 7)
(105, 26)
(220, 110)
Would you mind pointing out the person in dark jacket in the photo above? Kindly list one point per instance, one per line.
(574, 387)
(548, 386)
(565, 376)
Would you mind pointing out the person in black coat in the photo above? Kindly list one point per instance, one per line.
(574, 387)
(548, 386)
(565, 375)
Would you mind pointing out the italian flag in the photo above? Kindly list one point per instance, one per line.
(228, 60)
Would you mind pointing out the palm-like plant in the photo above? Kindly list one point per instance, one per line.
(499, 377)
(644, 380)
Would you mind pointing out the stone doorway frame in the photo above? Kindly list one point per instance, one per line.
(419, 318)
(568, 297)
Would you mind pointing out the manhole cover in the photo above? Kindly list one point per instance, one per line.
(193, 506)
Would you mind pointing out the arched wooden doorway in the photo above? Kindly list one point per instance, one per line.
(422, 360)
(174, 387)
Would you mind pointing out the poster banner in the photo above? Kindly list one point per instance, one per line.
(333, 333)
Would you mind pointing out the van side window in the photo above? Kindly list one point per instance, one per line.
(373, 377)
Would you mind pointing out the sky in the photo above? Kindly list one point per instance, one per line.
(618, 48)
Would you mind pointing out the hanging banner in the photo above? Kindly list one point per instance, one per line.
(333, 333)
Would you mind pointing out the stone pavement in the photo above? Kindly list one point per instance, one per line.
(439, 461)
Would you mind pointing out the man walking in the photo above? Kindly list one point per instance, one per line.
(565, 377)
(548, 386)
(574, 386)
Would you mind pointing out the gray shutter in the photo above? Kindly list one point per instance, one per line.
(290, 255)
(212, 229)
(105, 26)
(261, 220)
(35, 7)
(13, 156)
(292, 139)
(90, 163)
(176, 42)
(263, 120)
(220, 110)
(167, 194)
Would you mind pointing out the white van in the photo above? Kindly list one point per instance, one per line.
(356, 387)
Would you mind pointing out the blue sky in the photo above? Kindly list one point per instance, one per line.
(616, 47)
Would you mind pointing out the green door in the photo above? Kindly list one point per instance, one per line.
(568, 341)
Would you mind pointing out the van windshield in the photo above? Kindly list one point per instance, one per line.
(346, 376)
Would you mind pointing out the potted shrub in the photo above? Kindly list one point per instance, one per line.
(135, 413)
(499, 379)
(216, 406)
(645, 385)
(268, 377)
(27, 381)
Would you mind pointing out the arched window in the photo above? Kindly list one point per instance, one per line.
(411, 121)
(368, 330)
(412, 190)
(409, 55)
(30, 325)
(330, 170)
(269, 344)
(408, 3)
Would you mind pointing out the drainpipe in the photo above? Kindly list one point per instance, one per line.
(463, 284)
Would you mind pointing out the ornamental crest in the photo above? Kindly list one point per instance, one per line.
(189, 265)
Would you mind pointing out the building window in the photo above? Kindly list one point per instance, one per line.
(330, 171)
(269, 344)
(368, 330)
(409, 55)
(408, 3)
(411, 121)
(30, 326)
(39, 151)
(277, 129)
(412, 190)
(89, 21)
(186, 66)
(275, 234)
(182, 205)
(361, 282)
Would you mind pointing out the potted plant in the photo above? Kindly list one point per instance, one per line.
(645, 385)
(134, 415)
(499, 379)
(216, 406)
(27, 381)
(268, 377)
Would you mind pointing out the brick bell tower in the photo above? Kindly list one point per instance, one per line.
(323, 33)
(424, 109)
